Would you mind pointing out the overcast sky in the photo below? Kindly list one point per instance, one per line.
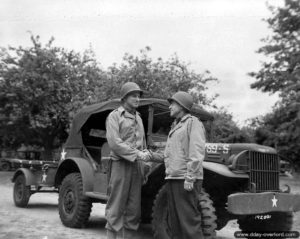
(216, 35)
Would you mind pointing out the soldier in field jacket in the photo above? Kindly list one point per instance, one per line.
(183, 157)
(126, 139)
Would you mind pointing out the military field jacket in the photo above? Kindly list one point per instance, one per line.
(185, 149)
(125, 134)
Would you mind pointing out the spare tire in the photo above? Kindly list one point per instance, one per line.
(5, 166)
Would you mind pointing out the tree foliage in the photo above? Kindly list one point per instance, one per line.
(281, 73)
(43, 86)
(226, 129)
(159, 78)
(281, 129)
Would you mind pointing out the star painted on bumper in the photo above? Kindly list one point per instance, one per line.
(274, 201)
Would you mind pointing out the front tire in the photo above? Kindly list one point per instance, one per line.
(161, 227)
(21, 192)
(74, 207)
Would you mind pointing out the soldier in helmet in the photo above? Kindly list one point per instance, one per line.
(184, 154)
(183, 157)
(125, 136)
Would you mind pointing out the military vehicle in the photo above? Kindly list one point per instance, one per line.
(241, 181)
(33, 174)
(10, 159)
(286, 168)
(5, 164)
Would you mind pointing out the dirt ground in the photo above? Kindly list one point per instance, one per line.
(41, 220)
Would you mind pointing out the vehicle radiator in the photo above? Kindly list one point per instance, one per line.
(264, 172)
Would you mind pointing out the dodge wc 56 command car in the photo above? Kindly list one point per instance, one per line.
(241, 181)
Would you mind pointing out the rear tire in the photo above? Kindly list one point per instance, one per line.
(279, 221)
(161, 227)
(74, 207)
(21, 192)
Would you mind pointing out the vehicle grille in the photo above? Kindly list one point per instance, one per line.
(264, 171)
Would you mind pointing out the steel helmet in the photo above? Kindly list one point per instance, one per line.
(182, 98)
(130, 87)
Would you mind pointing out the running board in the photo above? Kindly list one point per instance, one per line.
(96, 195)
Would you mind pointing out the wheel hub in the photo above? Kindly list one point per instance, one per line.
(69, 201)
(19, 190)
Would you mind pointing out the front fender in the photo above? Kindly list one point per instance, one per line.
(30, 177)
(223, 170)
(72, 165)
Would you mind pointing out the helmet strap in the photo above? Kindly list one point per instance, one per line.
(127, 107)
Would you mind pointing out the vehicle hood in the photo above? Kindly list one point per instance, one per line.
(251, 147)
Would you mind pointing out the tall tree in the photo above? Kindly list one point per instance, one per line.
(41, 87)
(226, 130)
(160, 78)
(281, 74)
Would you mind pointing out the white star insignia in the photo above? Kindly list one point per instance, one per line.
(63, 155)
(44, 177)
(274, 201)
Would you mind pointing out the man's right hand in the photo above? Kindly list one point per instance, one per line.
(144, 156)
(157, 156)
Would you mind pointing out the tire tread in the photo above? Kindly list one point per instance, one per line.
(83, 210)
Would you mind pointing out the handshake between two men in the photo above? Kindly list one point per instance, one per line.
(150, 156)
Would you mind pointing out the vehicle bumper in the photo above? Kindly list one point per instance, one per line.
(258, 203)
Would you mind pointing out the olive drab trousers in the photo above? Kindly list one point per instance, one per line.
(123, 208)
(184, 215)
(126, 138)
